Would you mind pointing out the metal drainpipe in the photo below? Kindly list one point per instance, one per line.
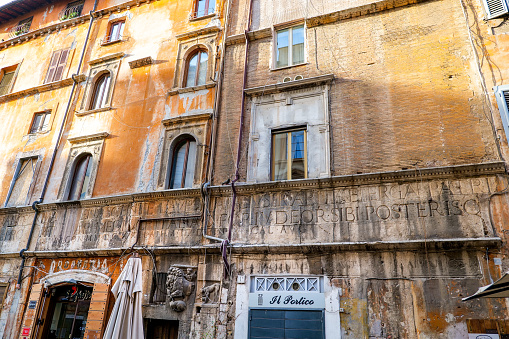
(55, 150)
(205, 187)
(241, 122)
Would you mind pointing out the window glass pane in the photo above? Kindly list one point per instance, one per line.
(86, 179)
(178, 166)
(22, 183)
(212, 6)
(101, 90)
(201, 10)
(45, 123)
(280, 156)
(82, 169)
(191, 71)
(282, 48)
(114, 32)
(36, 123)
(298, 155)
(298, 45)
(6, 82)
(191, 162)
(202, 69)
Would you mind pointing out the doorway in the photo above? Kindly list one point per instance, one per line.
(67, 312)
(161, 329)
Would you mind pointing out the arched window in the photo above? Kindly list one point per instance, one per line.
(183, 164)
(100, 93)
(196, 69)
(80, 178)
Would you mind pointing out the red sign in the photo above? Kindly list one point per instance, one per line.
(26, 331)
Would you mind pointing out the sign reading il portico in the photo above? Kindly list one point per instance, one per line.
(294, 300)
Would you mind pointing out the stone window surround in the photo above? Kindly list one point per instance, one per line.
(188, 45)
(92, 144)
(195, 125)
(109, 63)
(283, 97)
(19, 157)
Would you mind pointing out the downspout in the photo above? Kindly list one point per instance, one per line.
(55, 150)
(205, 187)
(225, 243)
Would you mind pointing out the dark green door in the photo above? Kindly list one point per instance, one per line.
(286, 324)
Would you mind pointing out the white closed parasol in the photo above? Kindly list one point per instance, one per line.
(126, 320)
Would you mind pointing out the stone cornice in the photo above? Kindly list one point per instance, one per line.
(107, 57)
(44, 31)
(198, 32)
(433, 173)
(42, 88)
(187, 118)
(87, 138)
(290, 85)
(191, 89)
(430, 245)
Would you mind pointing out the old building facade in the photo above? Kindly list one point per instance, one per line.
(319, 169)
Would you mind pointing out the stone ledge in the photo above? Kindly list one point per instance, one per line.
(186, 118)
(198, 32)
(90, 137)
(191, 89)
(107, 57)
(449, 172)
(431, 245)
(42, 88)
(290, 85)
(92, 111)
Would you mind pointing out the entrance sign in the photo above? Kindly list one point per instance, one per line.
(287, 300)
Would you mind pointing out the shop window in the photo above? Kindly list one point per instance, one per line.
(56, 66)
(81, 177)
(100, 91)
(203, 8)
(183, 164)
(40, 122)
(115, 31)
(72, 10)
(496, 8)
(289, 155)
(18, 194)
(289, 46)
(68, 310)
(196, 69)
(8, 74)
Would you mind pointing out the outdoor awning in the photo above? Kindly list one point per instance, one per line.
(499, 289)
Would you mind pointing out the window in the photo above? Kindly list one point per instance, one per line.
(290, 46)
(56, 66)
(8, 75)
(80, 178)
(115, 32)
(502, 95)
(196, 70)
(3, 292)
(40, 122)
(496, 8)
(204, 7)
(22, 27)
(100, 93)
(72, 10)
(289, 149)
(22, 181)
(183, 164)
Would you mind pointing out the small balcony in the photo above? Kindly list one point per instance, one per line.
(70, 12)
(19, 30)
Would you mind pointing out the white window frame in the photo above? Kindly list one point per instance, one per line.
(502, 107)
(502, 5)
(290, 44)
